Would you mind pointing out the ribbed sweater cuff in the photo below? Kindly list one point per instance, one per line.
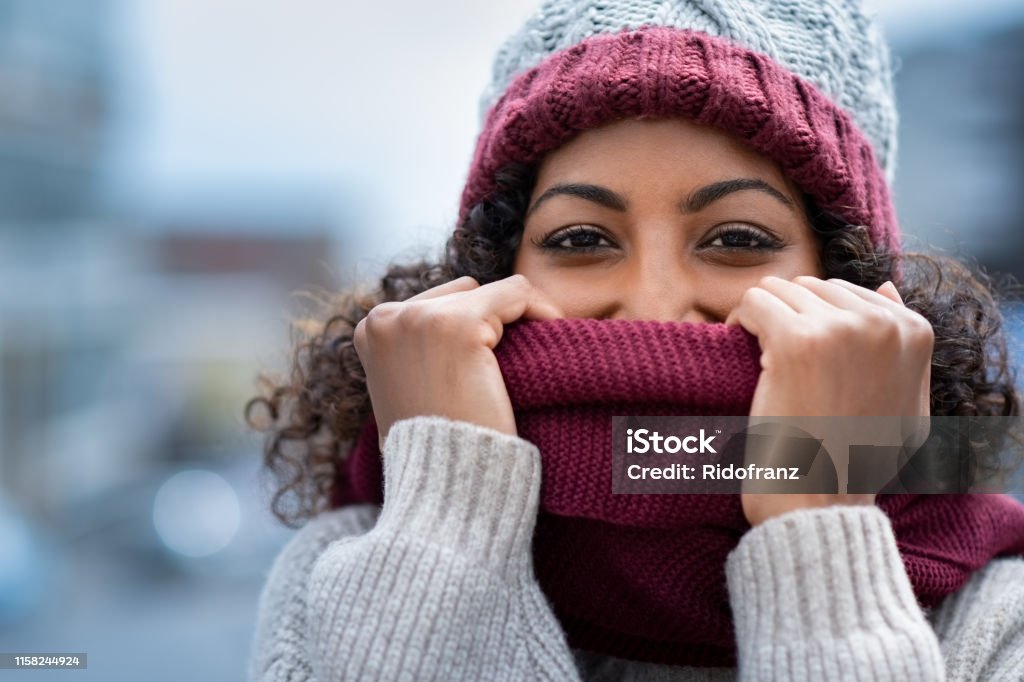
(824, 589)
(463, 486)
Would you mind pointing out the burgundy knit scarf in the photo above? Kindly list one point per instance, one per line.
(642, 577)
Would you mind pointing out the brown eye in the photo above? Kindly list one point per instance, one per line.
(575, 239)
(745, 238)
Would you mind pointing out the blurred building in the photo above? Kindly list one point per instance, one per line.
(124, 341)
(53, 106)
(961, 155)
(53, 113)
(128, 347)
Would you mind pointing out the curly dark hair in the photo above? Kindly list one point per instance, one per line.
(312, 417)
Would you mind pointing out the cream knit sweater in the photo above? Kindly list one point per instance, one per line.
(438, 585)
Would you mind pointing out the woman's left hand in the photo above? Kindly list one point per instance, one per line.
(832, 348)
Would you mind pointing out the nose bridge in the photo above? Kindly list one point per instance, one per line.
(658, 287)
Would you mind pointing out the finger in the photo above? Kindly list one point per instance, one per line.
(838, 296)
(505, 301)
(465, 283)
(514, 297)
(799, 298)
(762, 313)
(540, 307)
(871, 296)
(889, 290)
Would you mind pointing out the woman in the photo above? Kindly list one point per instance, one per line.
(683, 191)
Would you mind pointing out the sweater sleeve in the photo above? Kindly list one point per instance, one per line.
(278, 649)
(442, 587)
(822, 594)
(981, 626)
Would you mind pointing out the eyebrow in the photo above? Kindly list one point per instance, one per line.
(697, 201)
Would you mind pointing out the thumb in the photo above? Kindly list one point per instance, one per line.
(541, 307)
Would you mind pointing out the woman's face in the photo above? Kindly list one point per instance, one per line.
(660, 220)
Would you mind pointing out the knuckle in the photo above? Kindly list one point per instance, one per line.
(359, 335)
(921, 330)
(884, 334)
(881, 321)
(379, 315)
(847, 325)
(519, 281)
(410, 316)
(445, 324)
(428, 318)
(805, 339)
(751, 295)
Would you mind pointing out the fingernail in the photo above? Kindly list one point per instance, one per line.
(894, 289)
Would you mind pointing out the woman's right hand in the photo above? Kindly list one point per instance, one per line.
(433, 354)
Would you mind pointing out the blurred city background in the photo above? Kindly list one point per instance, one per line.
(171, 170)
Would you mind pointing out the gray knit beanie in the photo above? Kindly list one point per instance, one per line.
(830, 43)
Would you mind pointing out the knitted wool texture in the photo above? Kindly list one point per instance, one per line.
(642, 576)
(661, 72)
(833, 45)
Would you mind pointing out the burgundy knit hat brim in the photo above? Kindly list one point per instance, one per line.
(662, 72)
